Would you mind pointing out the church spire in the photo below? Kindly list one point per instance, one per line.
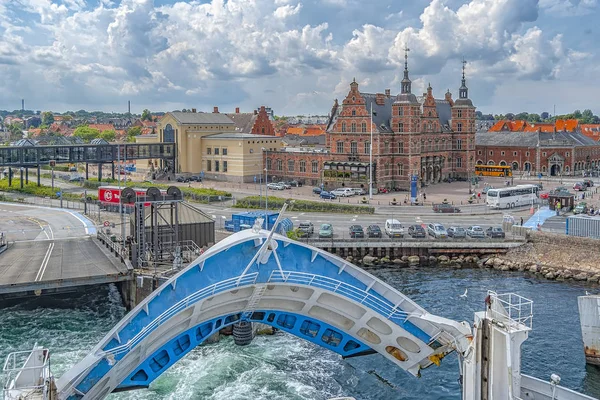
(463, 92)
(406, 81)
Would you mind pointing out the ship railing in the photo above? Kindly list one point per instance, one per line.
(512, 308)
(16, 370)
(378, 304)
(176, 308)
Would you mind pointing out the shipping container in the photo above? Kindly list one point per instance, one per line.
(245, 220)
(583, 226)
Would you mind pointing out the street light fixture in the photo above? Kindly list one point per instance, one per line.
(266, 153)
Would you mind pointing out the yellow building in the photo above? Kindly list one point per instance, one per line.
(214, 144)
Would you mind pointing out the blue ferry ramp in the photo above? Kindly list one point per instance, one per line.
(256, 275)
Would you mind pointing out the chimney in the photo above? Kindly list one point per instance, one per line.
(387, 93)
(215, 110)
(379, 99)
(193, 110)
(237, 110)
(22, 104)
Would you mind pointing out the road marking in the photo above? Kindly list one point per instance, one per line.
(45, 261)
(353, 219)
(294, 217)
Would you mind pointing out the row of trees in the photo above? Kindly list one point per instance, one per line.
(585, 117)
(88, 134)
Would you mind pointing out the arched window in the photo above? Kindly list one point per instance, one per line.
(527, 166)
(491, 163)
(400, 169)
(543, 168)
(515, 166)
(279, 165)
(269, 164)
(503, 163)
(364, 127)
(343, 127)
(353, 113)
(339, 146)
(479, 162)
(353, 126)
(315, 167)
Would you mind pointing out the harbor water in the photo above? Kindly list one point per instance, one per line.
(285, 367)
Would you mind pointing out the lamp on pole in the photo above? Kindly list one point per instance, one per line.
(371, 158)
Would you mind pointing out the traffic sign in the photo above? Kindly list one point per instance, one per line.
(58, 194)
(254, 178)
(106, 223)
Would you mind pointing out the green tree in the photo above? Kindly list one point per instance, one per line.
(16, 131)
(576, 114)
(146, 115)
(545, 115)
(522, 116)
(534, 118)
(108, 135)
(47, 118)
(133, 132)
(86, 133)
(587, 116)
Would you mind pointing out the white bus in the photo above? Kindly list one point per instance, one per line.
(511, 197)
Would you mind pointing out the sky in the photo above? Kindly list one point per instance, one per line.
(295, 56)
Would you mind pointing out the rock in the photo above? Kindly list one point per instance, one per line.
(582, 276)
(397, 261)
(414, 260)
(498, 262)
(432, 260)
(489, 262)
(550, 275)
(369, 260)
(533, 268)
(443, 259)
(385, 260)
(594, 278)
(567, 274)
(505, 267)
(469, 259)
(405, 258)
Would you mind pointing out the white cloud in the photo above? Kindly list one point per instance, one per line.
(569, 7)
(286, 11)
(251, 52)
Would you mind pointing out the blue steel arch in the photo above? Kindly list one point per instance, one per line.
(306, 290)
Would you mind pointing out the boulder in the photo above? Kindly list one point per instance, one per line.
(550, 275)
(414, 261)
(369, 260)
(489, 262)
(443, 259)
(498, 262)
(385, 260)
(582, 276)
(432, 260)
(405, 258)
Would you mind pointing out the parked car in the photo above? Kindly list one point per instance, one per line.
(183, 179)
(295, 183)
(317, 190)
(196, 178)
(416, 231)
(374, 231)
(437, 231)
(588, 182)
(475, 232)
(393, 228)
(285, 185)
(383, 190)
(581, 208)
(445, 208)
(343, 192)
(495, 232)
(457, 232)
(560, 189)
(359, 191)
(76, 178)
(306, 229)
(326, 231)
(356, 231)
(579, 186)
(275, 186)
(327, 195)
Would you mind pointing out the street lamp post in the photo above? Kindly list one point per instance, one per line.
(266, 152)
(371, 158)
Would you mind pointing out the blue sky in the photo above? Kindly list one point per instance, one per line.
(295, 55)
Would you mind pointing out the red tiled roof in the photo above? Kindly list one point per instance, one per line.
(591, 130)
(295, 131)
(568, 125)
(102, 127)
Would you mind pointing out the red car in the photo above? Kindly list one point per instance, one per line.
(579, 186)
(383, 190)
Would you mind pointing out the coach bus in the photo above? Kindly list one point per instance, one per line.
(493, 170)
(511, 197)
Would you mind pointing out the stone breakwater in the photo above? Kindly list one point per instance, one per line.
(547, 256)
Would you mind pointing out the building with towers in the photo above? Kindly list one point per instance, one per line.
(432, 139)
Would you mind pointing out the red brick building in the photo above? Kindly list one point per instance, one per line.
(257, 122)
(549, 153)
(430, 138)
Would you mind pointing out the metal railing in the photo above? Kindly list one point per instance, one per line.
(179, 306)
(382, 306)
(514, 309)
(15, 364)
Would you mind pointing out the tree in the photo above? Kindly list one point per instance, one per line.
(510, 116)
(86, 133)
(108, 135)
(534, 118)
(133, 132)
(16, 131)
(576, 114)
(522, 116)
(587, 117)
(146, 115)
(545, 115)
(47, 118)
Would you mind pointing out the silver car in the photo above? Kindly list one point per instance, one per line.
(437, 231)
(475, 232)
(457, 232)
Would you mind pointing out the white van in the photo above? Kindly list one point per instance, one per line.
(393, 228)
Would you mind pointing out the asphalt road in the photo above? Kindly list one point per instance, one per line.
(50, 244)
